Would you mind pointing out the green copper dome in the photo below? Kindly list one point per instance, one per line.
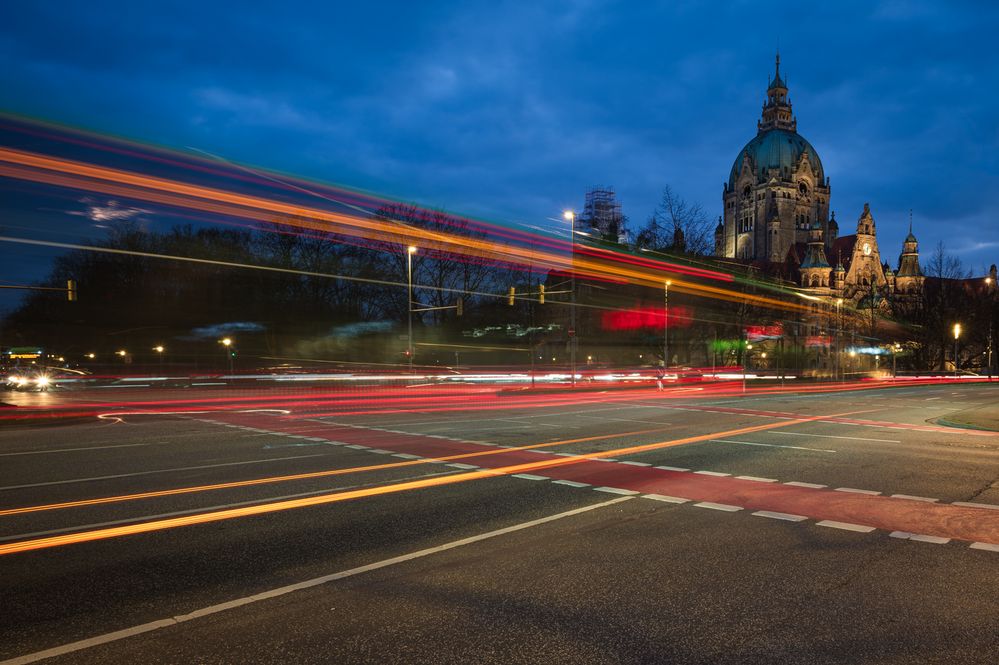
(776, 149)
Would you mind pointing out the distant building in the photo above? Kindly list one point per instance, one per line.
(602, 215)
(776, 217)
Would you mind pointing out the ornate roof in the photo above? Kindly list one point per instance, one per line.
(775, 149)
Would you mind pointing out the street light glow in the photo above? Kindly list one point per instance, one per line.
(411, 249)
(158, 348)
(957, 330)
(226, 341)
(568, 215)
(121, 353)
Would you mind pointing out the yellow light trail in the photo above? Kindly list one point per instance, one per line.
(77, 175)
(279, 506)
(305, 476)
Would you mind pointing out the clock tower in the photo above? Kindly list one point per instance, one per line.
(865, 264)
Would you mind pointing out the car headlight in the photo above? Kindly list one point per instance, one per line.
(42, 381)
(20, 380)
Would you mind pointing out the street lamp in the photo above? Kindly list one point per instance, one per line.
(957, 335)
(895, 348)
(570, 217)
(409, 307)
(226, 342)
(839, 326)
(159, 351)
(666, 324)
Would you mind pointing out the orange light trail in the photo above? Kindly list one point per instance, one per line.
(306, 476)
(279, 506)
(77, 175)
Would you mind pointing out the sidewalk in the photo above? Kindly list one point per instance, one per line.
(980, 417)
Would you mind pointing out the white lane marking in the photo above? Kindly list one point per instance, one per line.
(788, 517)
(570, 483)
(637, 463)
(664, 498)
(153, 471)
(928, 399)
(529, 476)
(831, 436)
(601, 459)
(459, 465)
(854, 490)
(357, 446)
(914, 498)
(772, 445)
(672, 468)
(757, 479)
(975, 546)
(615, 490)
(718, 506)
(281, 591)
(379, 451)
(405, 456)
(905, 535)
(70, 450)
(846, 526)
(566, 454)
(814, 486)
(968, 504)
(712, 473)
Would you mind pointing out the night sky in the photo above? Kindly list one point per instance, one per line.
(508, 111)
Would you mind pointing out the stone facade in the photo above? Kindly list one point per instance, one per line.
(776, 216)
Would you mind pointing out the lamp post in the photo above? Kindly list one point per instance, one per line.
(226, 342)
(957, 335)
(159, 349)
(409, 304)
(989, 287)
(666, 324)
(839, 326)
(570, 217)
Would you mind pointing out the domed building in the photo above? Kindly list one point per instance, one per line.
(776, 188)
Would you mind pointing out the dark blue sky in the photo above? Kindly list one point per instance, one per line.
(509, 110)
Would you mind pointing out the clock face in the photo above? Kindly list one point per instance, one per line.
(867, 249)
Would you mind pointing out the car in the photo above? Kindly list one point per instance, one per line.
(30, 380)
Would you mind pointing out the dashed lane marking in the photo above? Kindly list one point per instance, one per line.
(846, 526)
(905, 535)
(814, 486)
(787, 517)
(757, 479)
(570, 483)
(673, 468)
(914, 498)
(529, 476)
(975, 546)
(616, 490)
(968, 504)
(854, 490)
(712, 473)
(665, 498)
(772, 445)
(718, 506)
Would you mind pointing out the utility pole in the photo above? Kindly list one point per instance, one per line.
(666, 325)
(409, 304)
(570, 217)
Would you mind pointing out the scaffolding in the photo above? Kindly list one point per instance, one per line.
(602, 213)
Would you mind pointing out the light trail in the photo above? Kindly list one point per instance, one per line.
(279, 506)
(67, 173)
(307, 476)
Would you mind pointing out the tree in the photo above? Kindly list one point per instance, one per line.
(677, 225)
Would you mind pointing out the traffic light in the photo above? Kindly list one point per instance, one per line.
(513, 292)
(71, 290)
(541, 294)
(460, 306)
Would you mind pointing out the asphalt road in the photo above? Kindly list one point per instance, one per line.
(833, 527)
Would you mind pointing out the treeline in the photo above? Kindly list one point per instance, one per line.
(280, 289)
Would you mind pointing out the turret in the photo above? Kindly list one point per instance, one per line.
(833, 230)
(720, 238)
(909, 278)
(815, 268)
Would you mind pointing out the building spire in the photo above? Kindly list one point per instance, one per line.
(777, 109)
(910, 221)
